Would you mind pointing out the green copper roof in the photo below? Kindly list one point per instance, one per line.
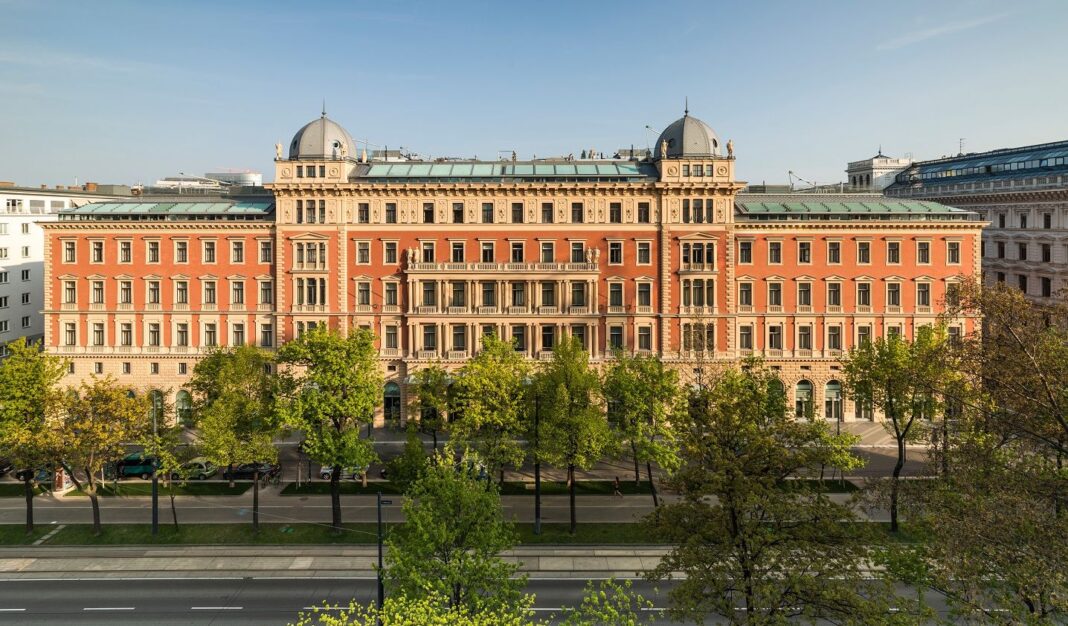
(508, 169)
(755, 207)
(212, 210)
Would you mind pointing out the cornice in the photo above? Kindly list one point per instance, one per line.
(89, 227)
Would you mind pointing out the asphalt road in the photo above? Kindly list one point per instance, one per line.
(231, 601)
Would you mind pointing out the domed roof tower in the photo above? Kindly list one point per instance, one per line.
(322, 138)
(688, 137)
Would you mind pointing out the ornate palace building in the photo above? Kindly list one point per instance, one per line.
(662, 254)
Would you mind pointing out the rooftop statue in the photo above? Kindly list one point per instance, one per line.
(663, 149)
(730, 148)
(278, 151)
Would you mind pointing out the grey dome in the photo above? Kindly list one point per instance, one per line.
(321, 139)
(688, 137)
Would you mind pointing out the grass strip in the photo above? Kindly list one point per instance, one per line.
(189, 489)
(17, 490)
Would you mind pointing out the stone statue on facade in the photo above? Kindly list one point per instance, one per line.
(596, 255)
(278, 151)
(663, 149)
(411, 256)
(730, 148)
(344, 150)
(589, 255)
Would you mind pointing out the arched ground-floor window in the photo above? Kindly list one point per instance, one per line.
(803, 399)
(391, 408)
(832, 401)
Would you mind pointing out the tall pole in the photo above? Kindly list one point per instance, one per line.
(381, 588)
(537, 471)
(155, 470)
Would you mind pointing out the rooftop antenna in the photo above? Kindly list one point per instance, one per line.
(686, 110)
(324, 107)
(960, 146)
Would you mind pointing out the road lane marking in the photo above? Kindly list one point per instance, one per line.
(108, 608)
(12, 610)
(50, 534)
(216, 608)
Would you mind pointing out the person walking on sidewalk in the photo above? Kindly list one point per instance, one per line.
(615, 488)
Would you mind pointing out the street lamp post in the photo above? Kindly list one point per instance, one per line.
(381, 586)
(537, 469)
(155, 469)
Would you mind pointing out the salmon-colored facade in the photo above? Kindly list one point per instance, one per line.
(659, 255)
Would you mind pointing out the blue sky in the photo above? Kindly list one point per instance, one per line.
(128, 92)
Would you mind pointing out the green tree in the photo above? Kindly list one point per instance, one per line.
(419, 610)
(575, 433)
(410, 465)
(333, 386)
(642, 396)
(903, 380)
(489, 394)
(95, 427)
(450, 543)
(30, 399)
(608, 602)
(430, 399)
(171, 453)
(752, 552)
(235, 407)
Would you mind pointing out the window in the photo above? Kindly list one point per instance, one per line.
(428, 252)
(517, 212)
(774, 294)
(125, 292)
(804, 252)
(70, 292)
(834, 252)
(25, 298)
(70, 334)
(1047, 253)
(459, 337)
(615, 213)
(69, 252)
(1023, 220)
(615, 338)
(923, 294)
(266, 292)
(363, 252)
(834, 337)
(153, 368)
(615, 294)
(209, 292)
(745, 337)
(775, 337)
(863, 334)
(125, 252)
(153, 252)
(126, 334)
(893, 294)
(487, 252)
(834, 294)
(389, 294)
(489, 294)
(237, 252)
(457, 255)
(643, 213)
(645, 338)
(645, 294)
(864, 252)
(153, 292)
(615, 252)
(267, 335)
(519, 294)
(487, 212)
(745, 294)
(239, 334)
(3, 302)
(181, 292)
(548, 336)
(430, 337)
(923, 252)
(804, 337)
(804, 294)
(391, 212)
(237, 292)
(266, 252)
(775, 252)
(3, 253)
(459, 294)
(98, 333)
(363, 294)
(1021, 251)
(547, 213)
(24, 275)
(430, 293)
(1001, 249)
(389, 254)
(519, 338)
(517, 252)
(953, 252)
(210, 335)
(863, 294)
(578, 252)
(578, 213)
(3, 278)
(1021, 282)
(96, 250)
(391, 342)
(183, 368)
(1047, 220)
(182, 335)
(25, 228)
(578, 294)
(893, 252)
(1047, 287)
(548, 294)
(645, 256)
(1001, 220)
(457, 213)
(363, 213)
(153, 334)
(209, 251)
(745, 252)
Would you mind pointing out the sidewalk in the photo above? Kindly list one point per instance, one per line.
(56, 562)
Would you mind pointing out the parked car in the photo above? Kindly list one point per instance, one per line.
(137, 464)
(6, 466)
(39, 475)
(248, 470)
(349, 472)
(197, 469)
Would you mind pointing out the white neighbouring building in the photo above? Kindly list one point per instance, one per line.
(876, 173)
(22, 250)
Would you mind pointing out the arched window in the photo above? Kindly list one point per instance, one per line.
(156, 407)
(391, 408)
(832, 403)
(803, 399)
(183, 405)
(130, 393)
(777, 389)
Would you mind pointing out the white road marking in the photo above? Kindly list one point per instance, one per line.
(12, 610)
(216, 608)
(108, 608)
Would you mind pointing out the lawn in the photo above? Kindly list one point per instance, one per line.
(15, 534)
(511, 488)
(16, 490)
(189, 489)
(213, 534)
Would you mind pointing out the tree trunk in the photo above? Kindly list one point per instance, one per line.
(96, 510)
(434, 433)
(945, 446)
(230, 473)
(28, 486)
(256, 501)
(652, 485)
(571, 495)
(174, 509)
(637, 470)
(335, 498)
(894, 481)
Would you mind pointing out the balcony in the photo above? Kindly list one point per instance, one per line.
(890, 308)
(548, 310)
(68, 306)
(457, 310)
(804, 308)
(502, 267)
(545, 355)
(391, 308)
(238, 307)
(154, 306)
(182, 306)
(304, 308)
(697, 267)
(456, 354)
(863, 308)
(518, 310)
(923, 309)
(209, 306)
(617, 310)
(834, 308)
(774, 308)
(644, 309)
(745, 308)
(774, 353)
(362, 308)
(125, 306)
(97, 306)
(265, 307)
(426, 355)
(309, 267)
(490, 309)
(803, 352)
(389, 352)
(579, 310)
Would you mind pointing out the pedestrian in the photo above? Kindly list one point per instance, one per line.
(615, 488)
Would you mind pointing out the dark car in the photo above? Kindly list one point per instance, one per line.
(137, 464)
(248, 470)
(6, 466)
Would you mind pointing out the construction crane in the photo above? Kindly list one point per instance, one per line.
(794, 176)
